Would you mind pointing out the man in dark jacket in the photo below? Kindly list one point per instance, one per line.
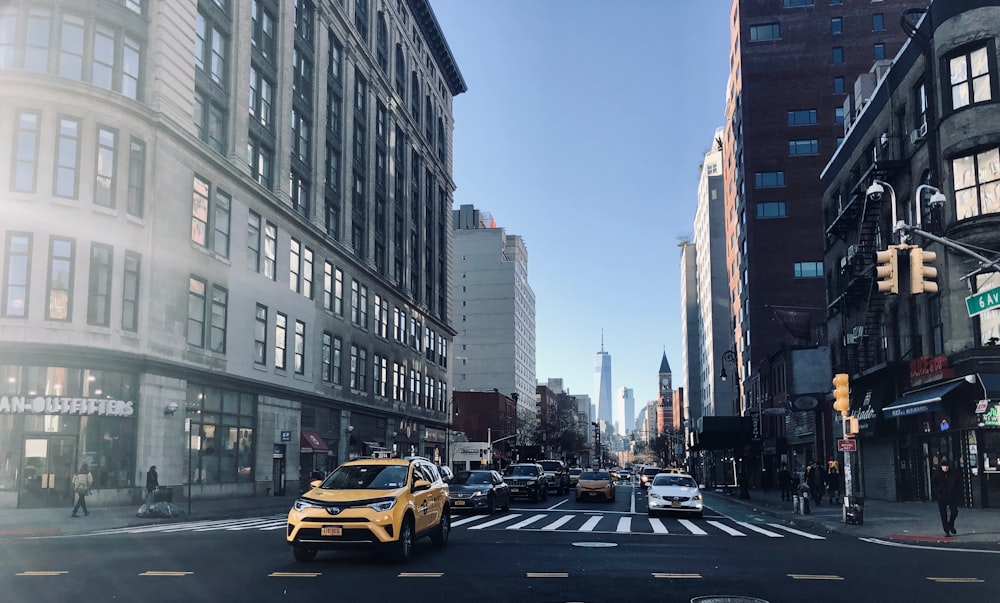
(947, 485)
(152, 483)
(785, 482)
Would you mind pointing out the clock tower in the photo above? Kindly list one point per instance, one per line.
(665, 400)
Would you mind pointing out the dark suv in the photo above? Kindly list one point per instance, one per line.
(558, 475)
(527, 480)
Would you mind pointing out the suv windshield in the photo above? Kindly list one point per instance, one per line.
(366, 477)
(551, 465)
(472, 478)
(523, 470)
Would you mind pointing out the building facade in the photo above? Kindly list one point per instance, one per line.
(226, 241)
(602, 385)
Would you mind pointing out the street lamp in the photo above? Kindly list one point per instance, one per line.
(741, 478)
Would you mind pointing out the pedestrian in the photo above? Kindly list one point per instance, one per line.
(152, 483)
(785, 482)
(82, 482)
(833, 482)
(947, 485)
(815, 478)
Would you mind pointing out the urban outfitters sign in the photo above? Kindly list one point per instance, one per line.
(54, 405)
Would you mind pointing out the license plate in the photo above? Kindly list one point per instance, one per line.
(515, 489)
(675, 504)
(458, 503)
(332, 531)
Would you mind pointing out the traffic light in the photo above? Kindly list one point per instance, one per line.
(850, 427)
(887, 270)
(841, 393)
(921, 274)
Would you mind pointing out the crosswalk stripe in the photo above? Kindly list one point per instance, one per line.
(694, 529)
(526, 522)
(264, 523)
(458, 522)
(725, 528)
(590, 524)
(559, 522)
(480, 526)
(798, 532)
(767, 533)
(624, 524)
(658, 527)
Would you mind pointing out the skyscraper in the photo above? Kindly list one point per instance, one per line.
(624, 410)
(602, 384)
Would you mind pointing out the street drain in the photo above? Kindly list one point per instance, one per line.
(727, 599)
(595, 545)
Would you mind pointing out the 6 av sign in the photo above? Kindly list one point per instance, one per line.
(981, 302)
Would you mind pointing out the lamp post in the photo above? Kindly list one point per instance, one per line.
(741, 478)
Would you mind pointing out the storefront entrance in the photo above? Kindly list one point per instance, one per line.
(47, 466)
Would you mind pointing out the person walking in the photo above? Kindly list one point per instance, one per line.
(82, 482)
(833, 480)
(785, 482)
(947, 486)
(152, 483)
(815, 479)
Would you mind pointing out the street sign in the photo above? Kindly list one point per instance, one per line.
(981, 302)
(847, 445)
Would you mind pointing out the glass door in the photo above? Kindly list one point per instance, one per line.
(46, 471)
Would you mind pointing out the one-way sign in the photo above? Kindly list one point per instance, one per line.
(844, 445)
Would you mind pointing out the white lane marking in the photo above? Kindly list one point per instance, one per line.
(526, 522)
(624, 524)
(690, 525)
(590, 524)
(767, 533)
(561, 502)
(480, 526)
(457, 522)
(658, 527)
(925, 547)
(559, 522)
(728, 530)
(794, 531)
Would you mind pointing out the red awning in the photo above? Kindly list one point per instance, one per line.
(311, 442)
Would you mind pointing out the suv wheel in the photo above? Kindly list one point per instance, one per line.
(440, 535)
(400, 550)
(303, 554)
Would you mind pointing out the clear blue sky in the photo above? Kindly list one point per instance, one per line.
(583, 130)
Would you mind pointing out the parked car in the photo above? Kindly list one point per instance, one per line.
(674, 492)
(382, 502)
(527, 480)
(595, 484)
(557, 474)
(479, 490)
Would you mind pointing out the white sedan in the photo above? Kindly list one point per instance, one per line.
(674, 492)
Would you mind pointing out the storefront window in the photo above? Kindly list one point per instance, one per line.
(221, 438)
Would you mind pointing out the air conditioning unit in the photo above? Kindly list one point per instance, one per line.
(859, 332)
(850, 339)
(919, 134)
(852, 253)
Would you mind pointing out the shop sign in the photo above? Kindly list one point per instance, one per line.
(866, 416)
(927, 369)
(991, 418)
(981, 406)
(54, 405)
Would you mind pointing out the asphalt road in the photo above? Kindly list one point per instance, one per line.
(492, 559)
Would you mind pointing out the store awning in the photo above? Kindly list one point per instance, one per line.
(309, 441)
(721, 433)
(991, 385)
(921, 401)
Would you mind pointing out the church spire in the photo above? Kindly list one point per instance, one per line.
(664, 365)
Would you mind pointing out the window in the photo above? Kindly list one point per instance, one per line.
(260, 158)
(210, 118)
(768, 179)
(382, 43)
(196, 312)
(359, 304)
(223, 420)
(771, 209)
(219, 316)
(380, 375)
(837, 25)
(60, 285)
(8, 40)
(260, 335)
(767, 31)
(977, 184)
(67, 159)
(338, 349)
(26, 152)
(359, 369)
(361, 18)
(300, 348)
(802, 117)
(102, 67)
(809, 270)
(838, 55)
(270, 249)
(971, 82)
(280, 335)
(381, 316)
(838, 85)
(15, 278)
(253, 241)
(211, 48)
(878, 22)
(36, 52)
(220, 216)
(130, 292)
(263, 28)
(294, 265)
(104, 184)
(338, 292)
(326, 358)
(794, 3)
(803, 147)
(838, 115)
(307, 272)
(136, 178)
(879, 51)
(261, 99)
(99, 292)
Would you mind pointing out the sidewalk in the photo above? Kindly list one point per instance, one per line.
(57, 521)
(910, 522)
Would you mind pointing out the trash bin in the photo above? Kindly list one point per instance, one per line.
(854, 510)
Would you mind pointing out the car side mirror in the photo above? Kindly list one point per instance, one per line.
(421, 484)
(315, 483)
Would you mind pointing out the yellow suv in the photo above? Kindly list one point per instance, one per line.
(388, 503)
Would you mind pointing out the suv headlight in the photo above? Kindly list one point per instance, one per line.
(303, 504)
(382, 505)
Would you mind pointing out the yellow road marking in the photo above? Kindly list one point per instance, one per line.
(42, 573)
(294, 574)
(663, 575)
(166, 574)
(955, 580)
(421, 574)
(548, 575)
(814, 577)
